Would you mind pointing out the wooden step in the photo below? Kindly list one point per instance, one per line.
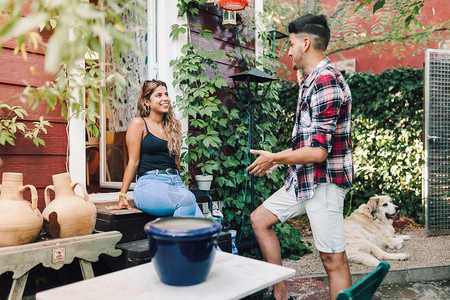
(129, 222)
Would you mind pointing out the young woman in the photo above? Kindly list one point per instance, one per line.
(154, 143)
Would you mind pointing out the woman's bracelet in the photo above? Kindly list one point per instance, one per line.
(123, 195)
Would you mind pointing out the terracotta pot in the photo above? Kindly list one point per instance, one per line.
(20, 220)
(68, 214)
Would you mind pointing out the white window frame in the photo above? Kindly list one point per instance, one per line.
(159, 57)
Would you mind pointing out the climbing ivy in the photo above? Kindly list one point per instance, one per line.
(218, 137)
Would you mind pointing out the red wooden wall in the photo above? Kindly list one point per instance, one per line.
(37, 164)
(224, 39)
(433, 12)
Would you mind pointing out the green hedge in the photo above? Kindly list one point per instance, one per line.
(387, 128)
(387, 138)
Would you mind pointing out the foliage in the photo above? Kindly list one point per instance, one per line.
(363, 27)
(189, 7)
(387, 122)
(218, 136)
(410, 12)
(10, 125)
(387, 138)
(207, 117)
(76, 28)
(291, 243)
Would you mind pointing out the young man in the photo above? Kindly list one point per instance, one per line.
(321, 158)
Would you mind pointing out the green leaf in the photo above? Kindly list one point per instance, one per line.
(24, 25)
(378, 5)
(55, 49)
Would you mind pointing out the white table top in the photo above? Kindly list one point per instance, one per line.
(231, 277)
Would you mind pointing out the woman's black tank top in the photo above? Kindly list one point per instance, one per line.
(154, 154)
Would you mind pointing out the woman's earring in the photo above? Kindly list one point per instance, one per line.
(147, 108)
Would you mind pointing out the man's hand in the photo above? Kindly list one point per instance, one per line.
(263, 164)
(270, 171)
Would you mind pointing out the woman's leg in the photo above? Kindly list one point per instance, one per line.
(165, 195)
(150, 195)
(186, 203)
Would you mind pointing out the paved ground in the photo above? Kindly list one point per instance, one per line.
(419, 290)
(425, 275)
(423, 251)
(313, 289)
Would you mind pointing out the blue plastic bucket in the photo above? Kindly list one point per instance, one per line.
(182, 249)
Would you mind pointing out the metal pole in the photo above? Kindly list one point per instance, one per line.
(252, 129)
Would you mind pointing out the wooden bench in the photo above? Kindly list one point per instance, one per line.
(54, 253)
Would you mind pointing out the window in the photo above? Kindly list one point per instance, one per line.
(157, 49)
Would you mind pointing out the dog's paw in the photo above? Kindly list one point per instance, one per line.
(405, 237)
(396, 243)
(402, 256)
(396, 247)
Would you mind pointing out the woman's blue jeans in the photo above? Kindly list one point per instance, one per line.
(165, 195)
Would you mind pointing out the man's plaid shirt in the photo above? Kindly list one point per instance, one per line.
(323, 120)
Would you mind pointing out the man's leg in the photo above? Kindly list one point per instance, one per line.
(262, 223)
(336, 266)
(325, 213)
(279, 207)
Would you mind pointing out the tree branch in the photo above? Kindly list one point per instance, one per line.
(386, 39)
(341, 6)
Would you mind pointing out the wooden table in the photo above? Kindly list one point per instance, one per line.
(231, 277)
(54, 253)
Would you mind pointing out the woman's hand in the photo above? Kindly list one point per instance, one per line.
(123, 203)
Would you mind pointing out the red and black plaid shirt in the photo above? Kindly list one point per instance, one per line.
(323, 120)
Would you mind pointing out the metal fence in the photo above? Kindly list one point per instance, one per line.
(436, 179)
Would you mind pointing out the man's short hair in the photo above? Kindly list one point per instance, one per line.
(315, 25)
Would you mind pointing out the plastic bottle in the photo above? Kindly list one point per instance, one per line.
(216, 214)
(234, 249)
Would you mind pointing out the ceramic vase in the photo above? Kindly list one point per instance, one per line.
(68, 214)
(20, 220)
(182, 249)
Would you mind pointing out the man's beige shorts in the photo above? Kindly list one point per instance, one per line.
(324, 210)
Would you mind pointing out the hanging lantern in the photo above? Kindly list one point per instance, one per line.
(233, 5)
(229, 19)
(210, 3)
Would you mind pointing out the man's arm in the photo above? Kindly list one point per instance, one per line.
(304, 155)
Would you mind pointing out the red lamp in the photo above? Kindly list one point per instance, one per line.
(233, 5)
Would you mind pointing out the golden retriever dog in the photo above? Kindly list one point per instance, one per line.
(369, 230)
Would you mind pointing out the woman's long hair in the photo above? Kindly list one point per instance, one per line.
(170, 124)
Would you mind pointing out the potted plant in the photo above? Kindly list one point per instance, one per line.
(207, 168)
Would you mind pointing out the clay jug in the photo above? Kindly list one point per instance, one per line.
(68, 214)
(20, 220)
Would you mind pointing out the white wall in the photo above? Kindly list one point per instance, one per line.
(168, 48)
